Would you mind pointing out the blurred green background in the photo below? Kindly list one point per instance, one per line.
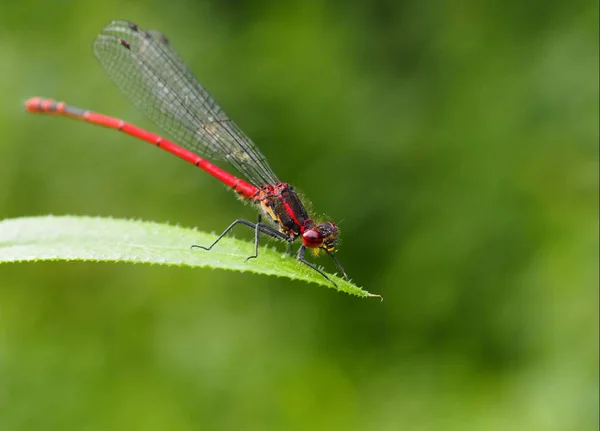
(455, 143)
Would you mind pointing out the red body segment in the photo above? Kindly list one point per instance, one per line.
(49, 106)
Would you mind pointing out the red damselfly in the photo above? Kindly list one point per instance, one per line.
(152, 76)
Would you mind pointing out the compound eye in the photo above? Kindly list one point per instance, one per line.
(312, 239)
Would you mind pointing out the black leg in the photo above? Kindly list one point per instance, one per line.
(301, 258)
(339, 265)
(256, 237)
(226, 231)
(258, 229)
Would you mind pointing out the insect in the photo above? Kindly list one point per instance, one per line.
(154, 78)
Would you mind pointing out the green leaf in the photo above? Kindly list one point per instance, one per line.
(111, 240)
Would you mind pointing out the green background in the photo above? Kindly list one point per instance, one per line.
(455, 143)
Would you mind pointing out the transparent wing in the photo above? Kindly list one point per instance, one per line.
(155, 79)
